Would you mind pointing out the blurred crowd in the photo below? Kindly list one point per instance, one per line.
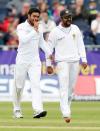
(85, 13)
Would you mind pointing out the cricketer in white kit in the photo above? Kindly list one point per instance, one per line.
(67, 41)
(28, 62)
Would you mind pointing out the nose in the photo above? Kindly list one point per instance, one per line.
(36, 19)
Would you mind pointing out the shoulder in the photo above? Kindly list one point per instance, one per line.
(53, 33)
(93, 22)
(75, 27)
(21, 26)
(51, 21)
(55, 30)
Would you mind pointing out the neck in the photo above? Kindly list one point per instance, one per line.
(46, 21)
(29, 22)
(65, 26)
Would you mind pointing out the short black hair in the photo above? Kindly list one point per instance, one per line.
(33, 10)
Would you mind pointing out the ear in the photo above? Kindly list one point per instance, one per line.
(28, 16)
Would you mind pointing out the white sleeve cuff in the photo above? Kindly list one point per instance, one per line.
(84, 59)
(48, 62)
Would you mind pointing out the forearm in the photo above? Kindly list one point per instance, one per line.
(25, 38)
(81, 48)
(48, 54)
(82, 53)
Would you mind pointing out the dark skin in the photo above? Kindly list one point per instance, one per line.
(66, 21)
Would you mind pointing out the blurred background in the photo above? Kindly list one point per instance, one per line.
(86, 15)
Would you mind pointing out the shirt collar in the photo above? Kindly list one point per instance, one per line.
(63, 28)
(26, 22)
(31, 27)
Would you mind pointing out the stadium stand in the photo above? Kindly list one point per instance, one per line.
(13, 12)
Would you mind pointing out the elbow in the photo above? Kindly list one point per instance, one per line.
(21, 41)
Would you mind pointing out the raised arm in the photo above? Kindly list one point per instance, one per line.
(25, 37)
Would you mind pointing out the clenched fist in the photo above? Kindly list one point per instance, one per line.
(49, 70)
(84, 65)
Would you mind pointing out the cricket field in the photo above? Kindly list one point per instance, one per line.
(85, 117)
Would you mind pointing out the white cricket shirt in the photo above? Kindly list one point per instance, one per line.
(29, 43)
(68, 44)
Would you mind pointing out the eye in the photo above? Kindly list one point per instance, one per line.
(36, 16)
(67, 17)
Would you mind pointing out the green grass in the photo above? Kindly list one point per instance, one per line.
(85, 117)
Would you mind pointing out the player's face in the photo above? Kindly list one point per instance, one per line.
(34, 17)
(67, 20)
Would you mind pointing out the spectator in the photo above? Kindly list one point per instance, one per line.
(1, 38)
(57, 7)
(92, 10)
(95, 27)
(72, 5)
(18, 4)
(23, 15)
(46, 23)
(43, 6)
(12, 10)
(6, 23)
(11, 37)
(4, 26)
(80, 15)
(9, 28)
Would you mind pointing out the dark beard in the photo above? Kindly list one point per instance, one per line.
(67, 24)
(31, 23)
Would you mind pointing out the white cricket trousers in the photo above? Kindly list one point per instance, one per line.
(67, 75)
(34, 73)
